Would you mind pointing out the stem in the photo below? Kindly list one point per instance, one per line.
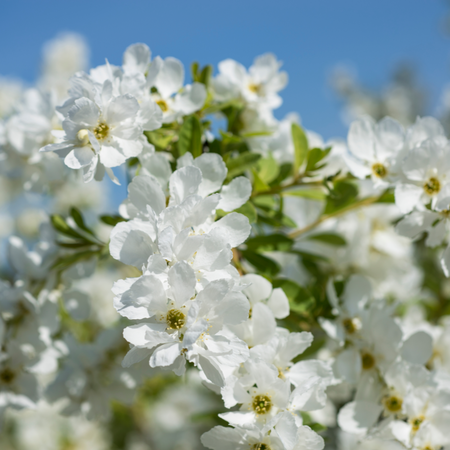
(237, 261)
(363, 202)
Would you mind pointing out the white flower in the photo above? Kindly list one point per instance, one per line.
(376, 149)
(281, 350)
(185, 229)
(426, 169)
(281, 433)
(184, 325)
(260, 85)
(175, 100)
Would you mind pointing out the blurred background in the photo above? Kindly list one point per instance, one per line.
(344, 58)
(331, 49)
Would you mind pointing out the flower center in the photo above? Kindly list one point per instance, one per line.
(261, 446)
(368, 361)
(7, 376)
(261, 404)
(163, 105)
(393, 404)
(416, 422)
(379, 170)
(432, 186)
(83, 137)
(349, 325)
(175, 319)
(101, 131)
(255, 88)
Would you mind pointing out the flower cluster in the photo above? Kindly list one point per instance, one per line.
(283, 277)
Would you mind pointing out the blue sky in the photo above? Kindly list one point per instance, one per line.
(310, 36)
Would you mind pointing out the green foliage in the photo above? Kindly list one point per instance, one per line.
(82, 241)
(310, 194)
(315, 156)
(190, 137)
(300, 146)
(112, 220)
(268, 169)
(343, 194)
(300, 299)
(160, 138)
(269, 242)
(329, 238)
(241, 163)
(201, 76)
(263, 264)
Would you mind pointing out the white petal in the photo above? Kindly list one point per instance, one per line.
(79, 157)
(307, 439)
(279, 303)
(130, 244)
(121, 108)
(234, 227)
(357, 417)
(184, 182)
(136, 58)
(111, 155)
(135, 355)
(213, 171)
(259, 288)
(84, 112)
(182, 281)
(146, 335)
(418, 348)
(407, 196)
(361, 139)
(235, 194)
(263, 324)
(170, 77)
(191, 99)
(221, 438)
(165, 355)
(146, 190)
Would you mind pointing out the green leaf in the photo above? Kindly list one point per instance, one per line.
(268, 169)
(159, 138)
(67, 261)
(258, 184)
(386, 197)
(112, 220)
(249, 211)
(78, 218)
(310, 194)
(261, 263)
(256, 134)
(285, 171)
(315, 155)
(300, 146)
(342, 195)
(300, 299)
(205, 75)
(265, 201)
(190, 137)
(329, 238)
(59, 224)
(74, 245)
(244, 161)
(194, 71)
(269, 243)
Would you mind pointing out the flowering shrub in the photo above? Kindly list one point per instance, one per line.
(300, 283)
